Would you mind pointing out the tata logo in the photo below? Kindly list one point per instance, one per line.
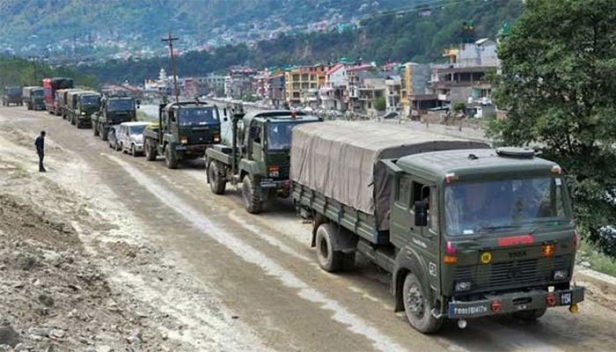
(517, 254)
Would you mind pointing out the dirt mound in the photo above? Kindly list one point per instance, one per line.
(52, 295)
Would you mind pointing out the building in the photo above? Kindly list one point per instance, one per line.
(393, 88)
(333, 94)
(416, 96)
(302, 85)
(355, 79)
(239, 82)
(465, 78)
(276, 89)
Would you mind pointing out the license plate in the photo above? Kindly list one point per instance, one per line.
(468, 311)
(565, 298)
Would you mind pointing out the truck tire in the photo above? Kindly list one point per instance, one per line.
(104, 133)
(133, 152)
(250, 193)
(217, 180)
(418, 307)
(329, 260)
(150, 150)
(170, 158)
(530, 315)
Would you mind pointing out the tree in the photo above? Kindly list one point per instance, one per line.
(380, 104)
(558, 84)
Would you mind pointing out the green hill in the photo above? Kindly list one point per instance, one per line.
(415, 35)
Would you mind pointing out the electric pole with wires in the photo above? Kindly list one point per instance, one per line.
(169, 40)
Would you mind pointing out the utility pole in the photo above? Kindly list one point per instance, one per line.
(169, 40)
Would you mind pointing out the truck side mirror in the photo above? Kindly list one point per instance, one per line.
(421, 213)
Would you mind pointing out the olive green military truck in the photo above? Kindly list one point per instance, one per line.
(184, 131)
(33, 97)
(80, 107)
(258, 156)
(113, 111)
(12, 95)
(465, 230)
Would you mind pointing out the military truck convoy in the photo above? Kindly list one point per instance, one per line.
(465, 230)
(51, 86)
(258, 156)
(183, 132)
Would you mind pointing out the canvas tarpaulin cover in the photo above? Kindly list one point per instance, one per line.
(340, 159)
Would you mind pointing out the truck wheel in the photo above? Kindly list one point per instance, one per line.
(250, 193)
(329, 260)
(530, 315)
(418, 307)
(150, 151)
(104, 133)
(217, 180)
(132, 151)
(170, 158)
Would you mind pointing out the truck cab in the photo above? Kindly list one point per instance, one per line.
(184, 132)
(259, 156)
(483, 232)
(88, 103)
(113, 110)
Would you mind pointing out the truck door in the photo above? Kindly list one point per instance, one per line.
(423, 240)
(256, 142)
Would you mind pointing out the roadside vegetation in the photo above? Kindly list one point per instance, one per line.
(558, 84)
(20, 72)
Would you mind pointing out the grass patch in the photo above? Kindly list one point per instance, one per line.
(591, 257)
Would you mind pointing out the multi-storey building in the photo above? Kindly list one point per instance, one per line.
(302, 85)
(465, 77)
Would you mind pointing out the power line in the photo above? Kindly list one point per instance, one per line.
(169, 40)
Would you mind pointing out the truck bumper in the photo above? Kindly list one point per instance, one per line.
(267, 183)
(196, 150)
(514, 302)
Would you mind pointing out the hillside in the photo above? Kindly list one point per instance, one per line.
(90, 27)
(412, 36)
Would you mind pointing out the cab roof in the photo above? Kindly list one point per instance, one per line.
(280, 116)
(474, 161)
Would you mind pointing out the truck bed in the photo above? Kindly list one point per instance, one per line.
(220, 152)
(357, 221)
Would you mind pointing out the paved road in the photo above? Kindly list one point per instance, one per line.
(263, 268)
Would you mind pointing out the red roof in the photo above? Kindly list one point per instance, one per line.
(359, 68)
(334, 69)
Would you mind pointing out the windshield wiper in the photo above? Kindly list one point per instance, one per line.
(501, 227)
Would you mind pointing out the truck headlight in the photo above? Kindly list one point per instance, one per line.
(462, 286)
(216, 138)
(184, 140)
(83, 113)
(561, 275)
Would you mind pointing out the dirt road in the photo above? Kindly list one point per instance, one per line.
(184, 270)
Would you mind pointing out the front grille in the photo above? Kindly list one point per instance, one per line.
(283, 162)
(510, 274)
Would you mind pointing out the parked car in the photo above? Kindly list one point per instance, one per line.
(130, 137)
(391, 115)
(112, 139)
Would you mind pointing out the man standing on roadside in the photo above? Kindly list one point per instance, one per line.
(40, 150)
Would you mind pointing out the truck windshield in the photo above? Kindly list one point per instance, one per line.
(121, 105)
(14, 91)
(38, 93)
(279, 135)
(482, 207)
(90, 100)
(197, 116)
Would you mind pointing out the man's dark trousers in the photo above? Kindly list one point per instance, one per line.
(41, 155)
